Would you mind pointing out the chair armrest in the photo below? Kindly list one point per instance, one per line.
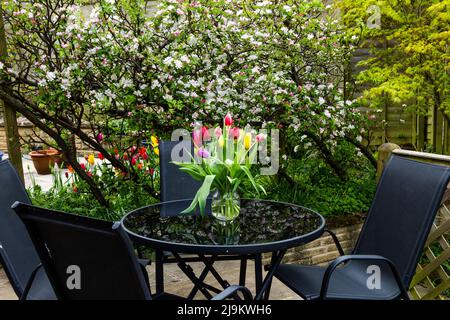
(30, 281)
(333, 265)
(336, 241)
(232, 290)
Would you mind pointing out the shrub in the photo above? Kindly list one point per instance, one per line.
(313, 185)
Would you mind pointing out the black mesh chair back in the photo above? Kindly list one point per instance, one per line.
(85, 259)
(17, 253)
(405, 205)
(176, 184)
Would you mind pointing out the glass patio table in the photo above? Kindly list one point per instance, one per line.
(262, 226)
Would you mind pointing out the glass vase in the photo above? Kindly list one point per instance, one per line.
(225, 232)
(225, 206)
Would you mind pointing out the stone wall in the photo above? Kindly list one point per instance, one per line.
(26, 130)
(323, 250)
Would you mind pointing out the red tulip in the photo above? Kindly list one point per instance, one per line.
(142, 151)
(228, 120)
(152, 171)
(133, 161)
(205, 134)
(83, 166)
(144, 156)
(100, 156)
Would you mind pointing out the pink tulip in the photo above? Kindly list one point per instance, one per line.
(218, 132)
(100, 137)
(196, 136)
(203, 153)
(260, 137)
(228, 120)
(235, 132)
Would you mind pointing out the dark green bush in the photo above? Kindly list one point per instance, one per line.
(317, 187)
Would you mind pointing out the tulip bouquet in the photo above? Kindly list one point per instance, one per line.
(222, 160)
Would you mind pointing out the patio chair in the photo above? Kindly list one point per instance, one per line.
(90, 259)
(390, 244)
(176, 184)
(17, 253)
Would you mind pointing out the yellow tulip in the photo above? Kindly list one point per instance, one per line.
(221, 141)
(248, 140)
(91, 159)
(154, 141)
(156, 151)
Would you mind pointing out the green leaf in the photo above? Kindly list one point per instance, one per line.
(193, 173)
(250, 177)
(201, 196)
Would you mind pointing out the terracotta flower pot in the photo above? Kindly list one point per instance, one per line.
(43, 160)
(59, 158)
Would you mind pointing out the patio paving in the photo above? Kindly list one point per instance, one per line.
(177, 283)
(31, 176)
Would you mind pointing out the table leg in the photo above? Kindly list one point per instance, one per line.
(277, 256)
(272, 262)
(198, 282)
(159, 271)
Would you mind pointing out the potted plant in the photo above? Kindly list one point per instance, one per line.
(43, 160)
(222, 160)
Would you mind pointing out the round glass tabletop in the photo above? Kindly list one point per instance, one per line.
(262, 226)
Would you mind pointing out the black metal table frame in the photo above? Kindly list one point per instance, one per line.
(208, 262)
(262, 286)
(208, 255)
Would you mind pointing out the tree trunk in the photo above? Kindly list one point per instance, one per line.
(10, 117)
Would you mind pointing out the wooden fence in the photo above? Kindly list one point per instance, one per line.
(419, 132)
(432, 276)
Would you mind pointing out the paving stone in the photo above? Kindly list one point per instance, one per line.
(177, 283)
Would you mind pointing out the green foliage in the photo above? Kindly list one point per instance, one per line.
(410, 54)
(73, 194)
(318, 188)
